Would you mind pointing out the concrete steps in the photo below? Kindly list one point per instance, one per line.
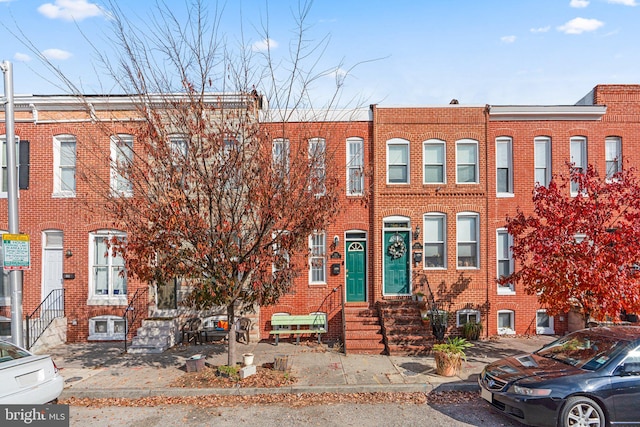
(154, 336)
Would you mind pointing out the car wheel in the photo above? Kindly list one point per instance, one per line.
(581, 412)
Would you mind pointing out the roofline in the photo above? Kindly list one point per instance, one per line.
(546, 112)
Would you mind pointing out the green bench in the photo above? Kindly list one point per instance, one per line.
(315, 323)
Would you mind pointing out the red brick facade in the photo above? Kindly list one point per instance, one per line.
(608, 111)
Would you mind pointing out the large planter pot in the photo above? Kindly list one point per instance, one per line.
(447, 365)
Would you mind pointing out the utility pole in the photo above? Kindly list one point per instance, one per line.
(15, 276)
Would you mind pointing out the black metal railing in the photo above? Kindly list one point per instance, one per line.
(137, 307)
(49, 309)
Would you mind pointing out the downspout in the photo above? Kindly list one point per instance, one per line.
(487, 110)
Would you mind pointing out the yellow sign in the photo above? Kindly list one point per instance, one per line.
(16, 251)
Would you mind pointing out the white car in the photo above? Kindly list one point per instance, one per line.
(27, 378)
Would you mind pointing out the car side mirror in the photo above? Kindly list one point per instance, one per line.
(629, 368)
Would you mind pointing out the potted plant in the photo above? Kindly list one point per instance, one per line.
(449, 356)
(472, 330)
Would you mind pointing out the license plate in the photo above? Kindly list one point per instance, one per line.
(486, 395)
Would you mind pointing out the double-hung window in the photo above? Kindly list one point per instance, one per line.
(355, 166)
(504, 166)
(317, 147)
(467, 161)
(121, 163)
(578, 151)
(468, 238)
(397, 161)
(280, 156)
(613, 155)
(434, 161)
(64, 166)
(108, 274)
(434, 226)
(22, 164)
(318, 258)
(504, 259)
(542, 160)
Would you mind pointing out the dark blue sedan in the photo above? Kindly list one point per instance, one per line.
(587, 378)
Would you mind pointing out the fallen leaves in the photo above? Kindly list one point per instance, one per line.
(288, 399)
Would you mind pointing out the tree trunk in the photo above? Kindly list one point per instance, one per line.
(231, 359)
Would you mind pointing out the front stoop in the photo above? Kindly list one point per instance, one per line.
(154, 336)
(362, 329)
(402, 329)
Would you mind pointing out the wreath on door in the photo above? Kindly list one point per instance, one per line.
(397, 248)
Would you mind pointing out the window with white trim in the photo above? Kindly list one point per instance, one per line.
(64, 166)
(435, 226)
(506, 322)
(108, 279)
(467, 161)
(504, 259)
(318, 258)
(467, 238)
(397, 161)
(613, 155)
(504, 166)
(280, 156)
(317, 147)
(433, 159)
(121, 160)
(22, 150)
(467, 315)
(281, 256)
(578, 151)
(106, 328)
(542, 160)
(355, 166)
(544, 323)
(5, 287)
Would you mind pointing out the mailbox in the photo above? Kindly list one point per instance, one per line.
(417, 257)
(335, 269)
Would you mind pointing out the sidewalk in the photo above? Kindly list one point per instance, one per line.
(103, 370)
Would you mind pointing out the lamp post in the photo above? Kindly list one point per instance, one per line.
(15, 276)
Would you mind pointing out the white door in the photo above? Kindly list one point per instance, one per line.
(52, 264)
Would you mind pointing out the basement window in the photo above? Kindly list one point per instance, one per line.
(106, 328)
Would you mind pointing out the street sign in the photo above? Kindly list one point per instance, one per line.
(16, 251)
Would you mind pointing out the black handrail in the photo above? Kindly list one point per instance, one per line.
(131, 313)
(39, 320)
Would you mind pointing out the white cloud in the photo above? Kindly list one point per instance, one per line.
(624, 2)
(580, 25)
(579, 3)
(22, 57)
(56, 54)
(263, 45)
(508, 39)
(540, 29)
(70, 10)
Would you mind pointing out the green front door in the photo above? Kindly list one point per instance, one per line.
(396, 262)
(356, 262)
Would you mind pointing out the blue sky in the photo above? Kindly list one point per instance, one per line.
(409, 52)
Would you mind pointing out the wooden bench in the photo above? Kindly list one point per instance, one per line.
(315, 323)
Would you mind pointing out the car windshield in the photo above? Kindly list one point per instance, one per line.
(583, 350)
(9, 352)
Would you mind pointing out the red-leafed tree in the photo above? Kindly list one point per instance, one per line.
(581, 251)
